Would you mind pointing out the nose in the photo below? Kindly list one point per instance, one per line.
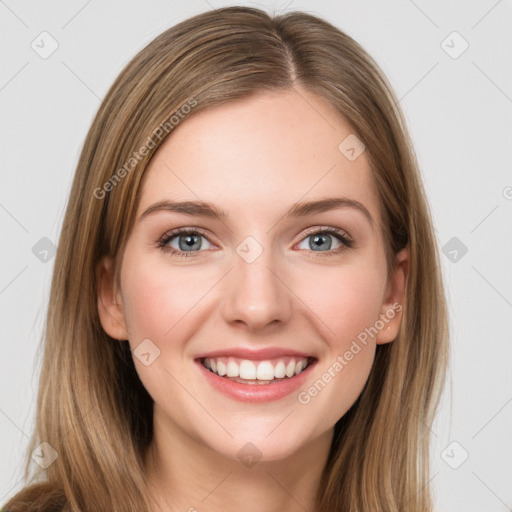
(257, 294)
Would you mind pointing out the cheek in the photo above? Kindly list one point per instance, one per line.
(347, 309)
(346, 301)
(161, 304)
(158, 298)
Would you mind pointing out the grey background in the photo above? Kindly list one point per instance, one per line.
(459, 114)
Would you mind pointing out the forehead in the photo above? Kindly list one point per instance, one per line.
(264, 152)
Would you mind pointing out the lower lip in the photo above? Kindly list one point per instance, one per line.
(256, 392)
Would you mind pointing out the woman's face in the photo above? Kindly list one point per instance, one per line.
(283, 266)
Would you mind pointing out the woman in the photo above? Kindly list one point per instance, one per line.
(247, 310)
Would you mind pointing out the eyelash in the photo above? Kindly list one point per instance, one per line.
(337, 233)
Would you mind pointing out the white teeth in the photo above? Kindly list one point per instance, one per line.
(265, 371)
(280, 370)
(253, 370)
(221, 368)
(290, 369)
(233, 369)
(247, 370)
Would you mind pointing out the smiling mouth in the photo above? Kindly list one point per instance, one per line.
(246, 371)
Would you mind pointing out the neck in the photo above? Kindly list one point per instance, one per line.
(185, 475)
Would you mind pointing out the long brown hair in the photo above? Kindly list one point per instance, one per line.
(92, 408)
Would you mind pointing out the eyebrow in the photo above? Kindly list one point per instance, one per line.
(204, 209)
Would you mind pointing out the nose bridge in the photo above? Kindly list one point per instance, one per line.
(257, 295)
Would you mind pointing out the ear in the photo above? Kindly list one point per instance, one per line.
(392, 307)
(110, 307)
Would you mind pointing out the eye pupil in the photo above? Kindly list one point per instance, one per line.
(191, 242)
(318, 241)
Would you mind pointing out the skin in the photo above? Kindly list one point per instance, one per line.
(254, 158)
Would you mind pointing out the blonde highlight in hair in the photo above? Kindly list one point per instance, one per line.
(92, 408)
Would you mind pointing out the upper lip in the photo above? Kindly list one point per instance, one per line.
(256, 355)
